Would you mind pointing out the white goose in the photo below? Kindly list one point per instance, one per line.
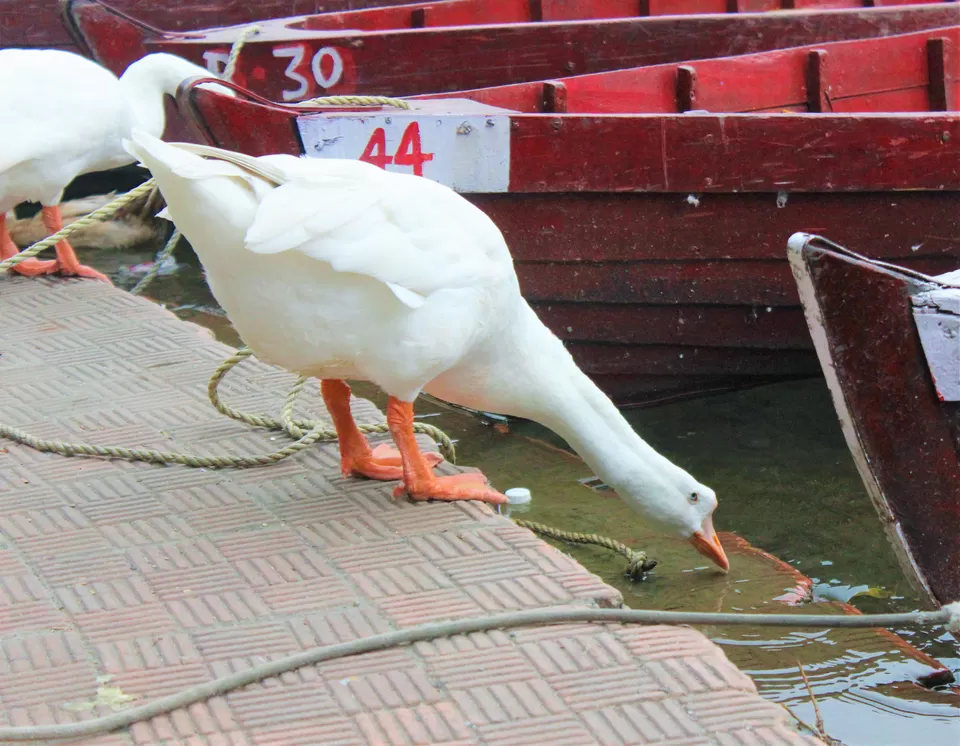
(63, 116)
(337, 269)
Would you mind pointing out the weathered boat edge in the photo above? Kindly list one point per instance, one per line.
(800, 248)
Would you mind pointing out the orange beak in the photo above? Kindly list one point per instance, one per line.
(706, 542)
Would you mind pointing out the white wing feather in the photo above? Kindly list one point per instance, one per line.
(406, 231)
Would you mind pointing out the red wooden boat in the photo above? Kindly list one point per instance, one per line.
(285, 61)
(896, 392)
(36, 23)
(652, 243)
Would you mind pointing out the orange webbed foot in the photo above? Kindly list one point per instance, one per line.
(469, 486)
(36, 267)
(383, 463)
(82, 270)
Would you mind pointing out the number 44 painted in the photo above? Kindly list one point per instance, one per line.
(409, 151)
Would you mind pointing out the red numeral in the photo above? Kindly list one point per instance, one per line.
(376, 150)
(409, 151)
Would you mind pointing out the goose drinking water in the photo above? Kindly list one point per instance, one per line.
(65, 116)
(337, 269)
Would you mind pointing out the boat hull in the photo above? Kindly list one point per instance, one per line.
(286, 63)
(662, 274)
(36, 23)
(904, 440)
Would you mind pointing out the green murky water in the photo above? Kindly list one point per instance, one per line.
(786, 482)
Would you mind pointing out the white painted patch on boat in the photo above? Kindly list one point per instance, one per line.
(937, 316)
(468, 152)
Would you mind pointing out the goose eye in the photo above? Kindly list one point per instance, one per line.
(694, 497)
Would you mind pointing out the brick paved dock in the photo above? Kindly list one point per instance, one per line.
(131, 580)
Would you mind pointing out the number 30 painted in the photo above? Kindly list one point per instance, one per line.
(296, 54)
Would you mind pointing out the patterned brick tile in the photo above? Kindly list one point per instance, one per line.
(125, 623)
(154, 530)
(220, 608)
(308, 595)
(205, 718)
(259, 707)
(392, 553)
(340, 625)
(21, 588)
(517, 593)
(572, 654)
(261, 543)
(174, 585)
(70, 569)
(35, 652)
(71, 682)
(428, 606)
(153, 651)
(233, 642)
(166, 558)
(557, 730)
(329, 731)
(610, 686)
(105, 595)
(345, 531)
(32, 616)
(424, 724)
(165, 577)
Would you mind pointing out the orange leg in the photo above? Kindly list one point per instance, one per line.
(356, 456)
(8, 248)
(419, 481)
(66, 261)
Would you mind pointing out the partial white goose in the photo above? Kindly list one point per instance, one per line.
(63, 116)
(337, 269)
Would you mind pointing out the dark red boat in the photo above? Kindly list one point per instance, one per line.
(288, 61)
(652, 243)
(887, 338)
(36, 23)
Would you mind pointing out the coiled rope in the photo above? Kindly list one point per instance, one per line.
(304, 432)
(949, 616)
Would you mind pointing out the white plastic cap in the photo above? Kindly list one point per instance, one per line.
(518, 496)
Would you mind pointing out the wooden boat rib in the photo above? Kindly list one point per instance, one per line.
(652, 243)
(904, 439)
(285, 63)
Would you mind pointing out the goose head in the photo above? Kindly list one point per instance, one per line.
(676, 503)
(149, 80)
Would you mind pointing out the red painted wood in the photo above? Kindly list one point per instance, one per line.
(759, 152)
(680, 326)
(632, 267)
(36, 23)
(886, 74)
(909, 437)
(430, 60)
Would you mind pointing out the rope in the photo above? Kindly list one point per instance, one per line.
(158, 261)
(102, 213)
(949, 615)
(231, 67)
(354, 101)
(304, 432)
(638, 565)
